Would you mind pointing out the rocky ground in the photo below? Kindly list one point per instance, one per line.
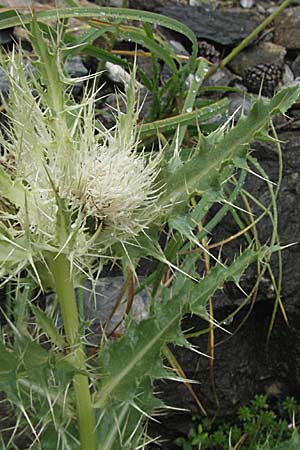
(245, 364)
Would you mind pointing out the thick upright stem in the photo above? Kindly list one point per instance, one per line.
(60, 269)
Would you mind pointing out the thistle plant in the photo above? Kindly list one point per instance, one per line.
(72, 195)
(69, 189)
(76, 188)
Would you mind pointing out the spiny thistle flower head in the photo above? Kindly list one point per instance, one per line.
(68, 184)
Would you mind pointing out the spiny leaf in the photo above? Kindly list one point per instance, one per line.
(12, 190)
(124, 364)
(8, 367)
(47, 64)
(47, 325)
(186, 118)
(128, 418)
(284, 99)
(204, 170)
(217, 276)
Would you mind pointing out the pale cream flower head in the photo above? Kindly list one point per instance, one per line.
(96, 181)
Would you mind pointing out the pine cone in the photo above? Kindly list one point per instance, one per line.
(266, 75)
(209, 52)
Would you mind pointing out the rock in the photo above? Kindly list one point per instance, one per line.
(261, 9)
(112, 102)
(239, 104)
(154, 5)
(115, 3)
(221, 27)
(99, 305)
(5, 36)
(264, 53)
(247, 3)
(75, 67)
(296, 67)
(101, 308)
(76, 70)
(194, 2)
(288, 76)
(16, 3)
(117, 74)
(287, 28)
(4, 83)
(178, 49)
(222, 77)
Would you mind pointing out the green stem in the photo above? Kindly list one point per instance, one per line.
(189, 101)
(248, 39)
(61, 271)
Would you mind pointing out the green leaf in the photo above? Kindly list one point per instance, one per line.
(128, 418)
(122, 417)
(22, 299)
(12, 251)
(196, 82)
(126, 363)
(101, 54)
(47, 64)
(47, 325)
(292, 444)
(284, 99)
(171, 123)
(156, 49)
(8, 360)
(185, 226)
(212, 163)
(8, 380)
(104, 14)
(14, 191)
(129, 366)
(217, 276)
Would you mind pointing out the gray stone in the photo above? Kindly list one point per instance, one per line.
(296, 66)
(5, 37)
(77, 71)
(75, 67)
(247, 3)
(288, 76)
(117, 74)
(222, 27)
(178, 48)
(102, 308)
(222, 77)
(16, 3)
(264, 53)
(4, 83)
(287, 28)
(239, 104)
(116, 3)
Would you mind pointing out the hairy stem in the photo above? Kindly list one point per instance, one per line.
(61, 271)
